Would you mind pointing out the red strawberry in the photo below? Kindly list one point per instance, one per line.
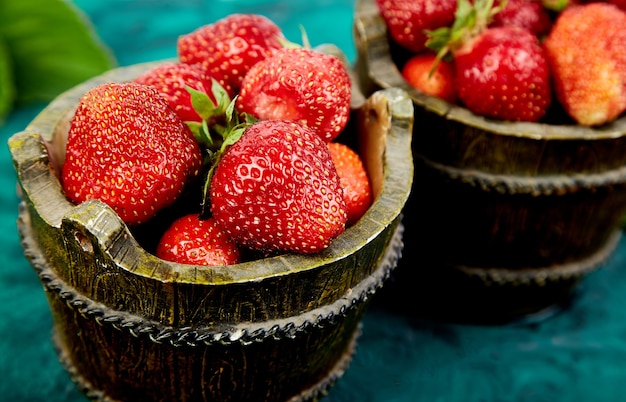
(199, 100)
(190, 240)
(227, 48)
(501, 72)
(171, 80)
(527, 14)
(357, 191)
(418, 71)
(128, 148)
(587, 53)
(504, 74)
(408, 20)
(302, 85)
(276, 189)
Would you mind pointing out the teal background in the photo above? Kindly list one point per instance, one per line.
(578, 354)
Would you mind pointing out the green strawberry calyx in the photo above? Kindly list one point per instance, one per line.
(469, 22)
(221, 127)
(556, 5)
(212, 113)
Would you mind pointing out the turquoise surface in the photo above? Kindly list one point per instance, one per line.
(578, 354)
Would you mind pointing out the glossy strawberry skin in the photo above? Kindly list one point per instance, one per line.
(357, 191)
(170, 79)
(190, 240)
(587, 53)
(277, 190)
(504, 74)
(128, 148)
(299, 84)
(407, 20)
(229, 47)
(418, 72)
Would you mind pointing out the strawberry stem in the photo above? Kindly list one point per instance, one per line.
(229, 133)
(470, 21)
(286, 43)
(305, 38)
(221, 126)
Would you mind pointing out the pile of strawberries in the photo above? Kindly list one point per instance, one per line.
(233, 148)
(516, 60)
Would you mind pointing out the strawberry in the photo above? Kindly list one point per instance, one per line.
(171, 80)
(199, 100)
(191, 240)
(276, 189)
(433, 78)
(587, 54)
(227, 48)
(527, 14)
(408, 20)
(128, 148)
(357, 191)
(501, 72)
(504, 74)
(299, 84)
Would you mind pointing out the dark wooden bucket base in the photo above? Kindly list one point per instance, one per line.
(314, 393)
(114, 356)
(489, 296)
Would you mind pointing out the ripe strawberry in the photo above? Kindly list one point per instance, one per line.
(302, 85)
(408, 20)
(190, 240)
(504, 74)
(501, 72)
(227, 48)
(171, 80)
(418, 71)
(357, 191)
(276, 189)
(587, 53)
(199, 100)
(527, 14)
(128, 148)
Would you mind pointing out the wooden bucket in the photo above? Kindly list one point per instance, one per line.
(505, 217)
(131, 327)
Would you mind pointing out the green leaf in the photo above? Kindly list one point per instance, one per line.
(201, 103)
(555, 5)
(52, 46)
(7, 88)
